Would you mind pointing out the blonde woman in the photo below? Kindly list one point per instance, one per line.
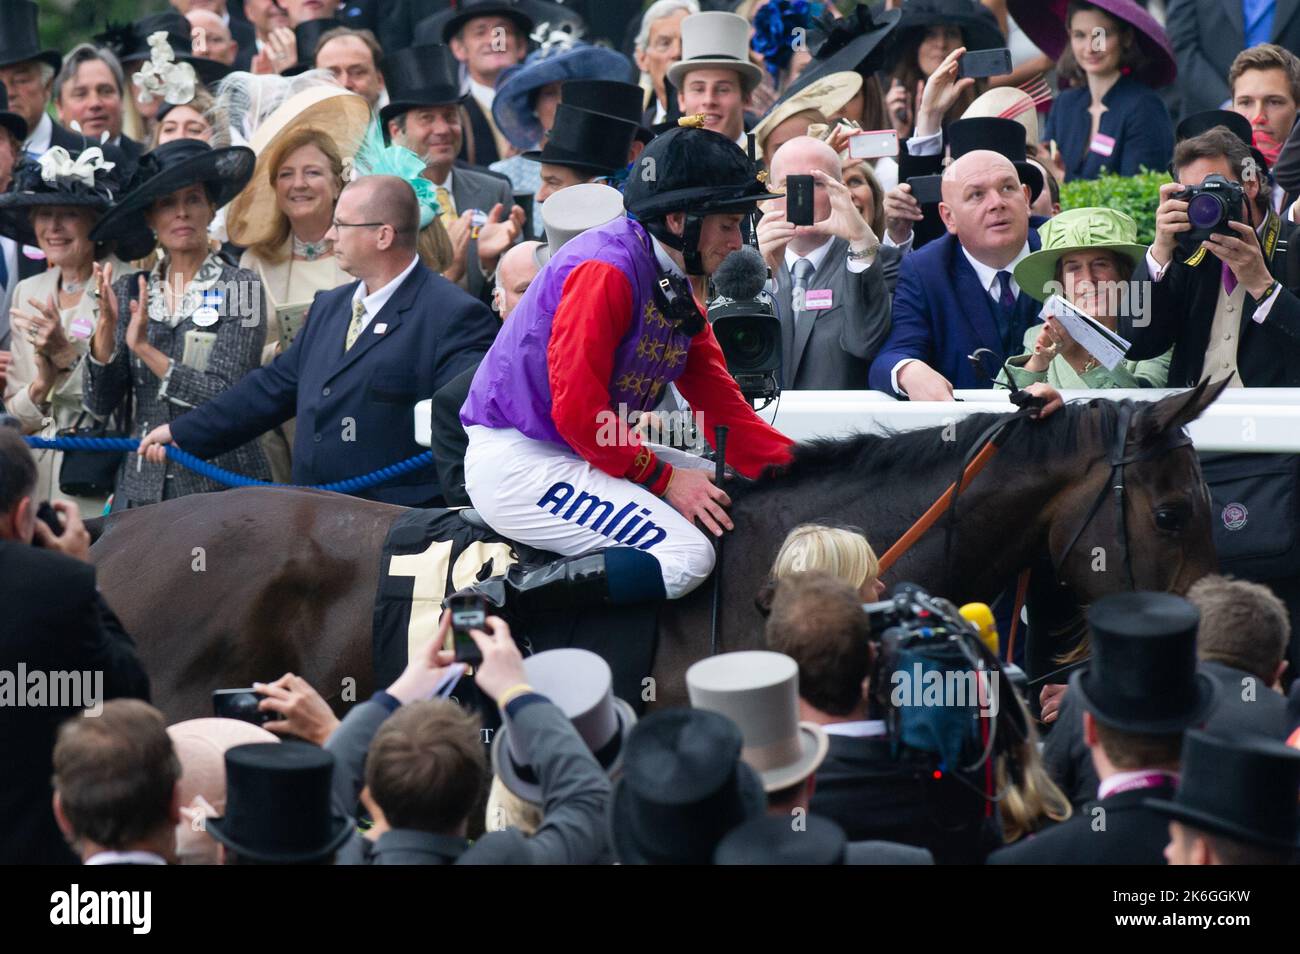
(282, 215)
(841, 552)
(1030, 799)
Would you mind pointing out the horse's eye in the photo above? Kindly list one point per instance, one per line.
(1170, 519)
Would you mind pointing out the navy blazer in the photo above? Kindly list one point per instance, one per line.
(942, 314)
(1135, 118)
(355, 408)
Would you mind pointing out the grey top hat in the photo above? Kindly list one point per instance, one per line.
(581, 684)
(759, 691)
(716, 40)
(571, 211)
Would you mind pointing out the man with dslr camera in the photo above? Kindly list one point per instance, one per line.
(1227, 303)
(55, 622)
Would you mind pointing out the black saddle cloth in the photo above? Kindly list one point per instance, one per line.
(625, 636)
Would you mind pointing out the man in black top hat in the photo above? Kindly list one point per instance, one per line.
(582, 146)
(28, 73)
(424, 114)
(684, 787)
(13, 130)
(486, 36)
(611, 98)
(1236, 803)
(1241, 644)
(1140, 692)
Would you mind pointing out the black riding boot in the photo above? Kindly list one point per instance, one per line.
(616, 576)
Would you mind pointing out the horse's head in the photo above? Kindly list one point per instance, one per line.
(1138, 516)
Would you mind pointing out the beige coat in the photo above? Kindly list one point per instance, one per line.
(62, 405)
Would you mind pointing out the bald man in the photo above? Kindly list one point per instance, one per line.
(958, 294)
(515, 272)
(211, 37)
(830, 287)
(369, 351)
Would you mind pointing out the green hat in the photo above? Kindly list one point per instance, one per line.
(1075, 231)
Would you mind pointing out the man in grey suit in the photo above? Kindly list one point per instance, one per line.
(1207, 35)
(830, 285)
(424, 765)
(425, 114)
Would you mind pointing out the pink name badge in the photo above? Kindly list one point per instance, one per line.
(816, 299)
(1102, 145)
(81, 327)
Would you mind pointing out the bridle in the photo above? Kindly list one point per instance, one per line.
(1118, 459)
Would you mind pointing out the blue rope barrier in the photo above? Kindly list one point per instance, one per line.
(230, 478)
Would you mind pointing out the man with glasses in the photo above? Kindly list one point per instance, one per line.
(368, 353)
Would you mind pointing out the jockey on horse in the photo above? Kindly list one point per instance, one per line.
(608, 323)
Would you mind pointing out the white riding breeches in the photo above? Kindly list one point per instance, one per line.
(548, 497)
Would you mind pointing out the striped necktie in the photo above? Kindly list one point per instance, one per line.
(354, 326)
(447, 206)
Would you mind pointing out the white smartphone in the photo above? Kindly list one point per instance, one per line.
(874, 144)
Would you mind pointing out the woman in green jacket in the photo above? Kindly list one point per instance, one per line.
(1087, 257)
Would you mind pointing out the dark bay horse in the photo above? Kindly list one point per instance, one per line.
(223, 589)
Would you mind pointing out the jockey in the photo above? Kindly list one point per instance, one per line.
(606, 325)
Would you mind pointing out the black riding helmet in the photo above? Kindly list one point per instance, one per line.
(696, 171)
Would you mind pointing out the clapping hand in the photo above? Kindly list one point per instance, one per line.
(498, 234)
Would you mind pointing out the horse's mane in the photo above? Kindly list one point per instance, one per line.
(927, 449)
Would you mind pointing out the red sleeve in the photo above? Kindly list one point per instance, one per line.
(594, 314)
(712, 392)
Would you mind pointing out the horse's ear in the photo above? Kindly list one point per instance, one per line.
(1178, 410)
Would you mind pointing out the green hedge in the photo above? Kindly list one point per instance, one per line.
(1136, 195)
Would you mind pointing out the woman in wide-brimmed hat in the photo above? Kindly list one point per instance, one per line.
(54, 203)
(283, 213)
(177, 336)
(1115, 56)
(1087, 257)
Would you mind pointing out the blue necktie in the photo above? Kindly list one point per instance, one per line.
(1006, 311)
(4, 272)
(1257, 20)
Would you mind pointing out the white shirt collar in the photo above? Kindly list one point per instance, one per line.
(126, 858)
(867, 729)
(665, 261)
(39, 140)
(376, 300)
(988, 276)
(446, 183)
(484, 94)
(816, 256)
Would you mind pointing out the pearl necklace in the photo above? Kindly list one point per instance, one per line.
(310, 250)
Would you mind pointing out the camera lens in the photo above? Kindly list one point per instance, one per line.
(1205, 211)
(746, 345)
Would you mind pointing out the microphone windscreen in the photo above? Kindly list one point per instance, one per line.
(741, 275)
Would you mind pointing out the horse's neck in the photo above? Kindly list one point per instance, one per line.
(1000, 524)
